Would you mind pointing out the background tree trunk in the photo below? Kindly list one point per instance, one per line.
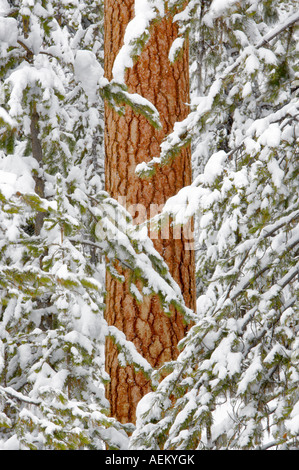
(37, 153)
(130, 140)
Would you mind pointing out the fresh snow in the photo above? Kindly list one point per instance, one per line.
(8, 30)
(242, 345)
(89, 73)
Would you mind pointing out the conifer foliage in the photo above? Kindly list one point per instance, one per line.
(235, 382)
(52, 331)
(52, 377)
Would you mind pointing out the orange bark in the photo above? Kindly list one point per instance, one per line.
(130, 140)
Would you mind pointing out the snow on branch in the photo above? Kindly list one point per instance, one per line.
(136, 35)
(119, 240)
(90, 75)
(183, 131)
(123, 241)
(10, 392)
(278, 30)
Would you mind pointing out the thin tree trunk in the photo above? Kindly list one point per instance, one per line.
(37, 153)
(130, 140)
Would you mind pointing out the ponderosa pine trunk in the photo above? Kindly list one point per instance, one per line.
(130, 140)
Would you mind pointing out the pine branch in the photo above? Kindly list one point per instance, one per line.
(95, 245)
(182, 135)
(18, 396)
(31, 54)
(278, 30)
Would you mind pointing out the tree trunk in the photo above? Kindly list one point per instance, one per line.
(130, 140)
(37, 153)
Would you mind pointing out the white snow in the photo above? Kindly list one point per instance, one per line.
(4, 7)
(247, 90)
(15, 175)
(89, 72)
(7, 183)
(292, 424)
(242, 38)
(28, 76)
(214, 166)
(149, 402)
(145, 12)
(175, 48)
(12, 443)
(217, 9)
(271, 136)
(7, 118)
(276, 172)
(8, 31)
(252, 64)
(79, 339)
(250, 374)
(267, 55)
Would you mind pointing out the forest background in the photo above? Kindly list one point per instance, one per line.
(234, 384)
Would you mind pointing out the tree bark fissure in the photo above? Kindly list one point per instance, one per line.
(129, 140)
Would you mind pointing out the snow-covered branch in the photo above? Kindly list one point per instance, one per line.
(185, 130)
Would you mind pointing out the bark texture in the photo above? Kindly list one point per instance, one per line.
(130, 140)
(37, 153)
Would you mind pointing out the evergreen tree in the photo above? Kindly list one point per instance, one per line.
(235, 383)
(130, 140)
(53, 243)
